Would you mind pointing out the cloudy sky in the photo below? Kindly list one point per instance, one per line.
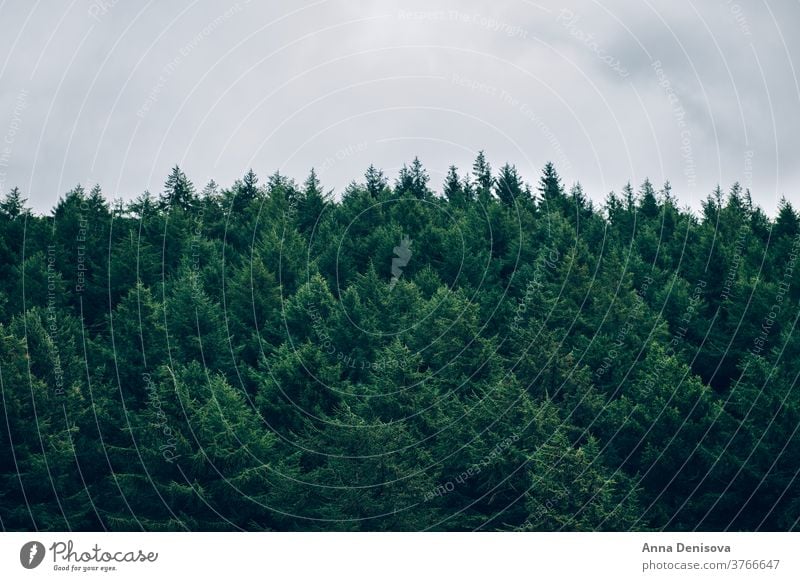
(116, 92)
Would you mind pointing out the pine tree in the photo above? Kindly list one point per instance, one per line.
(178, 191)
(550, 188)
(312, 203)
(419, 180)
(244, 192)
(376, 182)
(787, 224)
(13, 204)
(453, 190)
(509, 187)
(482, 173)
(648, 204)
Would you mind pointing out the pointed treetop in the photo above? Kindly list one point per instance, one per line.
(404, 180)
(629, 196)
(312, 184)
(14, 204)
(178, 190)
(277, 180)
(97, 201)
(419, 175)
(578, 196)
(666, 193)
(376, 182)
(452, 185)
(648, 202)
(249, 189)
(509, 186)
(712, 204)
(550, 183)
(413, 180)
(787, 223)
(482, 172)
(736, 200)
(210, 190)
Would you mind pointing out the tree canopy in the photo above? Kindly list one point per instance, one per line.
(496, 356)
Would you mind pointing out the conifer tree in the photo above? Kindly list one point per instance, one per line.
(178, 191)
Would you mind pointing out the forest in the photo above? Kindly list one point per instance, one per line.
(484, 354)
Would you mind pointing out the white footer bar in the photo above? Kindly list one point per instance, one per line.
(389, 556)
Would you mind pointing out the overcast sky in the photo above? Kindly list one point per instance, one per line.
(115, 92)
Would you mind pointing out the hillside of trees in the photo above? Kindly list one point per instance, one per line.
(484, 355)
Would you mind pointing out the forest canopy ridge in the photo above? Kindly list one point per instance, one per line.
(496, 356)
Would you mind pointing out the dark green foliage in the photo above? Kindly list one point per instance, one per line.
(376, 182)
(264, 357)
(178, 191)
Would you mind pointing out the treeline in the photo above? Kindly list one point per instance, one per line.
(496, 356)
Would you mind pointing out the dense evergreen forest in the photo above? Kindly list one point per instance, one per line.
(491, 356)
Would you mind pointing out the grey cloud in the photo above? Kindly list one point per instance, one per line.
(117, 93)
